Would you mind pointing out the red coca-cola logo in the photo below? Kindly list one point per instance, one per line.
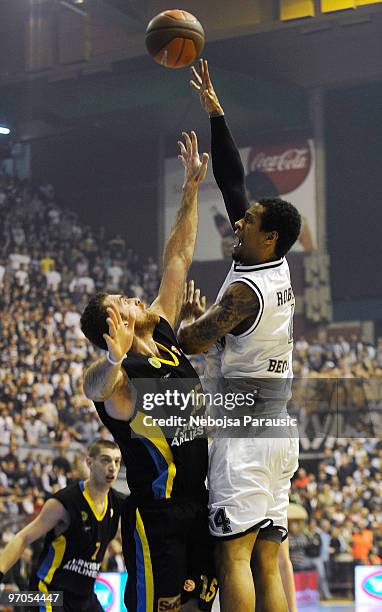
(286, 165)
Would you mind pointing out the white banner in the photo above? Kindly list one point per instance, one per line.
(109, 588)
(368, 586)
(286, 170)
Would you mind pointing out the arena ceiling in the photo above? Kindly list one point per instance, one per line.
(262, 67)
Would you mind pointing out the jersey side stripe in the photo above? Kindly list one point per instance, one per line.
(47, 606)
(160, 452)
(255, 288)
(144, 570)
(53, 559)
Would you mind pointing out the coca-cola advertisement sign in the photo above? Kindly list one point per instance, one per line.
(286, 165)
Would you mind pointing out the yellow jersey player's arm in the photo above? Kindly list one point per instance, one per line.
(180, 246)
(104, 382)
(236, 312)
(50, 516)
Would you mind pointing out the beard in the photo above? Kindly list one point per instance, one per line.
(146, 321)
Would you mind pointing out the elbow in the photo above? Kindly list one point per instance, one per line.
(25, 539)
(93, 395)
(88, 391)
(89, 386)
(97, 397)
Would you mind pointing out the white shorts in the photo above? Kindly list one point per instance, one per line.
(249, 481)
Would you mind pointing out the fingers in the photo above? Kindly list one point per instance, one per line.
(107, 339)
(194, 141)
(112, 321)
(206, 74)
(203, 302)
(197, 77)
(191, 148)
(188, 142)
(201, 68)
(183, 150)
(203, 167)
(112, 327)
(114, 313)
(194, 85)
(191, 287)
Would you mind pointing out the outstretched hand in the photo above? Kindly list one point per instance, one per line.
(121, 333)
(193, 304)
(202, 83)
(195, 169)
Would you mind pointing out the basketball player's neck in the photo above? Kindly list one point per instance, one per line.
(144, 344)
(259, 259)
(254, 255)
(96, 492)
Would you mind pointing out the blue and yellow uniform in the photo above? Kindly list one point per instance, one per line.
(164, 524)
(72, 555)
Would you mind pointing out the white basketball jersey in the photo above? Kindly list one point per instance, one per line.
(265, 349)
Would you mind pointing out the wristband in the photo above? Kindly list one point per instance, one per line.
(1, 577)
(110, 360)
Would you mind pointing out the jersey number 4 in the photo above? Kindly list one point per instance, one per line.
(222, 521)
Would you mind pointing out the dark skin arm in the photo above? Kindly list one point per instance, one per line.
(226, 161)
(235, 313)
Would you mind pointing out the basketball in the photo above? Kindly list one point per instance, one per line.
(174, 38)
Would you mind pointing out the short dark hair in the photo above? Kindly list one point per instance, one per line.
(284, 218)
(96, 447)
(93, 320)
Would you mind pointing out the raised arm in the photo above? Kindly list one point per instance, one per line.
(236, 311)
(51, 514)
(179, 249)
(226, 161)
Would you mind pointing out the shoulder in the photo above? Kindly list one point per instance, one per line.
(240, 296)
(66, 495)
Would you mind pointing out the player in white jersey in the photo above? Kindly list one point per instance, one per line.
(269, 350)
(248, 332)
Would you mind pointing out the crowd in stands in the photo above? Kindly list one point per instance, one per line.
(343, 502)
(49, 264)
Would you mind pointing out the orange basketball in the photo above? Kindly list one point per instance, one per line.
(174, 38)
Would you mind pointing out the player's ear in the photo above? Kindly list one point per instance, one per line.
(88, 460)
(272, 236)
